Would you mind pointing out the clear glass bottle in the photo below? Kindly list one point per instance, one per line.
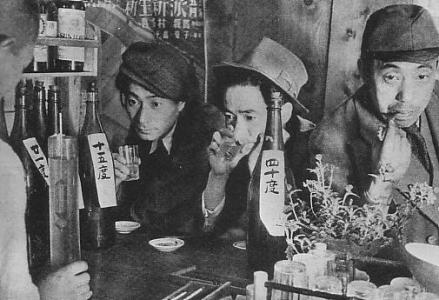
(97, 223)
(266, 196)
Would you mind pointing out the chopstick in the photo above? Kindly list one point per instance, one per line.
(179, 296)
(194, 293)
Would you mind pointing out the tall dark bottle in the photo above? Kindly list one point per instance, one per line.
(97, 179)
(53, 109)
(24, 143)
(39, 115)
(266, 196)
(4, 136)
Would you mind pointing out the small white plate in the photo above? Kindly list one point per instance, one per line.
(125, 227)
(167, 244)
(241, 245)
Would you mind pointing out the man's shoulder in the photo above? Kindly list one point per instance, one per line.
(336, 125)
(8, 158)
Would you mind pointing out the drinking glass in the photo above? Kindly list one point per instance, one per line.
(329, 284)
(131, 155)
(289, 273)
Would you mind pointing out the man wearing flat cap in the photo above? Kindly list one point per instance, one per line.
(386, 135)
(246, 87)
(172, 129)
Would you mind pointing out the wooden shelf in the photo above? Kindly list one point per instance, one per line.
(49, 41)
(59, 74)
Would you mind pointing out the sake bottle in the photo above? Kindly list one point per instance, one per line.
(39, 114)
(35, 166)
(4, 136)
(54, 108)
(97, 179)
(266, 196)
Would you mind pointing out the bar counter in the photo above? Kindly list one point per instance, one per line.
(132, 269)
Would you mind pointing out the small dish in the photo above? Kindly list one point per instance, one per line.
(125, 227)
(167, 244)
(241, 245)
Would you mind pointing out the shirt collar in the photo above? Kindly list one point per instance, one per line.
(167, 141)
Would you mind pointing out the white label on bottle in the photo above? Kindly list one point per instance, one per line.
(104, 169)
(43, 25)
(52, 29)
(41, 53)
(71, 23)
(71, 53)
(38, 157)
(272, 192)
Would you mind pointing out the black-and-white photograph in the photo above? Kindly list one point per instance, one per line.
(219, 149)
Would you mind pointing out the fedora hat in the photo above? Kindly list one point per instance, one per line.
(276, 63)
(403, 32)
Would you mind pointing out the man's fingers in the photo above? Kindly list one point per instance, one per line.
(82, 289)
(76, 267)
(225, 132)
(86, 295)
(119, 158)
(82, 279)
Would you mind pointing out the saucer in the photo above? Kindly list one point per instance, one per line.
(167, 244)
(125, 227)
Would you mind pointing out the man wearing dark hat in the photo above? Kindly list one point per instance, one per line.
(172, 129)
(386, 135)
(246, 89)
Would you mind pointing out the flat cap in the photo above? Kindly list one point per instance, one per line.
(277, 64)
(160, 69)
(401, 30)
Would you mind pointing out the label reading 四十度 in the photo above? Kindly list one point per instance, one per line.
(272, 191)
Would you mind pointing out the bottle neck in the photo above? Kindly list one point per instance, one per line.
(19, 129)
(273, 139)
(53, 118)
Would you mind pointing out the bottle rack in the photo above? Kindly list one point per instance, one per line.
(91, 56)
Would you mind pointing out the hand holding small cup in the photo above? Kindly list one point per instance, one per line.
(126, 163)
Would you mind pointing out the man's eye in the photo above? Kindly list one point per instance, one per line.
(156, 104)
(250, 118)
(132, 102)
(391, 77)
(423, 76)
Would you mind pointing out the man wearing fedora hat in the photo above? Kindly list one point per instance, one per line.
(246, 90)
(172, 129)
(385, 136)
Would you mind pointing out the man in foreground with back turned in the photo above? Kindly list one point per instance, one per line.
(385, 136)
(18, 31)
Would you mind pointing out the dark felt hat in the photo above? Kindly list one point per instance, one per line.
(160, 69)
(401, 32)
(276, 63)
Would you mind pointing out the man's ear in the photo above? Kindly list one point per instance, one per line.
(287, 112)
(181, 105)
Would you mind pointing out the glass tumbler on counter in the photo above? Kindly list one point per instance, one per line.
(289, 273)
(63, 200)
(131, 155)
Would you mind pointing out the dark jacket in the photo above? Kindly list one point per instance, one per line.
(345, 138)
(166, 199)
(234, 213)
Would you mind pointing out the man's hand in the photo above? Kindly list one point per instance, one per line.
(391, 160)
(121, 171)
(68, 283)
(224, 153)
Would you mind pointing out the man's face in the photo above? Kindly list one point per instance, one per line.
(153, 117)
(246, 112)
(11, 67)
(403, 89)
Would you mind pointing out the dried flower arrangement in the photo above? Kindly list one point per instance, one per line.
(334, 219)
